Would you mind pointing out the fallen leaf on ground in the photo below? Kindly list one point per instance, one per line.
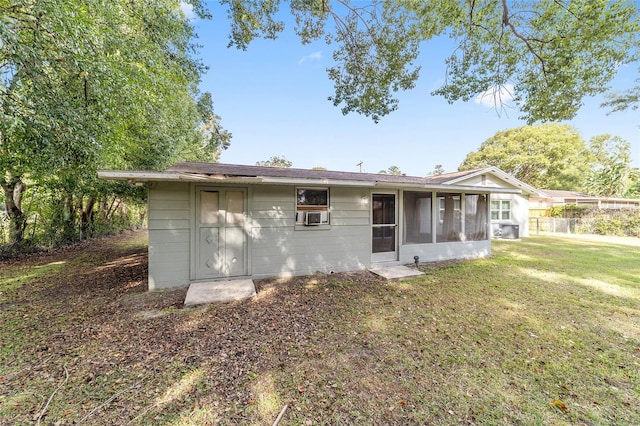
(559, 404)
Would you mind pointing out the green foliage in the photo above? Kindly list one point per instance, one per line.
(437, 170)
(611, 222)
(611, 175)
(96, 85)
(275, 161)
(50, 223)
(634, 186)
(554, 53)
(392, 170)
(569, 210)
(623, 100)
(549, 156)
(548, 54)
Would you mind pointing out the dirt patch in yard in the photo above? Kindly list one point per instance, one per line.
(106, 351)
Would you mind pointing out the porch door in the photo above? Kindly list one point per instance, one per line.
(221, 241)
(384, 228)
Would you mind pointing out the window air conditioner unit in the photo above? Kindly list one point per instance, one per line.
(315, 218)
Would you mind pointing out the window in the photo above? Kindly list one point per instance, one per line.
(417, 217)
(475, 217)
(442, 209)
(501, 210)
(312, 206)
(450, 217)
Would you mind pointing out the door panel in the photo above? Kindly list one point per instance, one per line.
(384, 215)
(235, 208)
(384, 240)
(209, 249)
(234, 251)
(221, 238)
(209, 207)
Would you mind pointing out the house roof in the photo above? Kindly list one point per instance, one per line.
(559, 193)
(236, 170)
(461, 176)
(453, 176)
(234, 173)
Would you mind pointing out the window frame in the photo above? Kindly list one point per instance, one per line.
(302, 209)
(501, 210)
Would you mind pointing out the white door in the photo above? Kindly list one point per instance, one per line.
(384, 227)
(221, 241)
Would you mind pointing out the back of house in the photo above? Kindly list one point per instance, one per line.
(212, 221)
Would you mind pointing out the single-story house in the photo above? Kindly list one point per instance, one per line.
(212, 221)
(541, 203)
(509, 212)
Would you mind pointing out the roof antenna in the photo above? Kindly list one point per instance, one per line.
(360, 165)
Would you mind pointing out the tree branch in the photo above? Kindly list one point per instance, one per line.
(108, 401)
(44, 410)
(506, 22)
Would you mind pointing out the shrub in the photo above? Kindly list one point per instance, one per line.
(610, 222)
(569, 210)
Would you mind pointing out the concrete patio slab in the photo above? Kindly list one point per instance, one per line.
(396, 272)
(219, 291)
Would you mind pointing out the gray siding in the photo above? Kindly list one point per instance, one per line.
(519, 213)
(445, 251)
(169, 235)
(277, 246)
(280, 248)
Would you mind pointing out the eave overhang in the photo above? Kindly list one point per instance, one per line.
(135, 176)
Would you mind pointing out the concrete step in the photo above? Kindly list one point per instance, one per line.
(219, 291)
(395, 272)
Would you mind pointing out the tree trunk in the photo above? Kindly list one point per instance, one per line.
(68, 218)
(13, 188)
(87, 218)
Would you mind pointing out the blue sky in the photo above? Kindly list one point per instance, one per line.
(273, 99)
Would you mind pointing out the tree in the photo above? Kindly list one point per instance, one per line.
(392, 170)
(634, 187)
(547, 54)
(437, 170)
(547, 156)
(611, 174)
(94, 85)
(275, 161)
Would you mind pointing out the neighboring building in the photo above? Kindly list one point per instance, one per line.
(547, 198)
(509, 211)
(209, 221)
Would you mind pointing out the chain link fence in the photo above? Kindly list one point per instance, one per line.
(553, 224)
(623, 223)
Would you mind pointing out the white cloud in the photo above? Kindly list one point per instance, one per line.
(187, 9)
(315, 56)
(496, 97)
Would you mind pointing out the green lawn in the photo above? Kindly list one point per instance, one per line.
(547, 331)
